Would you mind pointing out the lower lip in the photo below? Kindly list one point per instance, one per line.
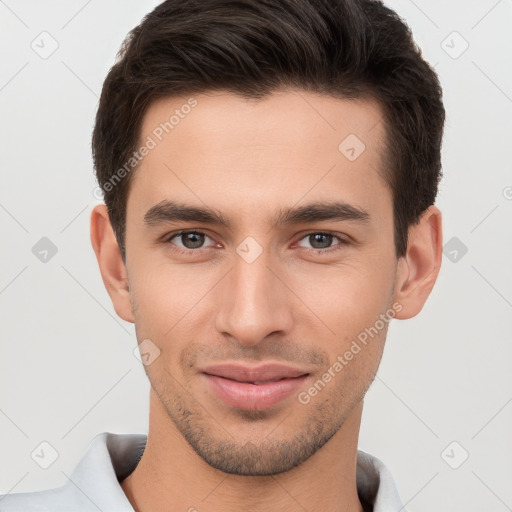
(256, 397)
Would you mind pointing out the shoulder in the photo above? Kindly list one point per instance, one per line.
(94, 483)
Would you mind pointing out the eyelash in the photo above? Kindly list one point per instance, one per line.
(342, 242)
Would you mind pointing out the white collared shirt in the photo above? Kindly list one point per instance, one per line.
(94, 484)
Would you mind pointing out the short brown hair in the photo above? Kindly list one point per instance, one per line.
(342, 48)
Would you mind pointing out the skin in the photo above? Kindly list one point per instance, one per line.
(293, 304)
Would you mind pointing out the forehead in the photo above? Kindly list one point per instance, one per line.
(219, 147)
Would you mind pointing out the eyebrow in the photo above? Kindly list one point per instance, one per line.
(171, 211)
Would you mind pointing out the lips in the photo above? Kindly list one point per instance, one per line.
(268, 372)
(253, 388)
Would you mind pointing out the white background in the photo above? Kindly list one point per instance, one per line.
(67, 368)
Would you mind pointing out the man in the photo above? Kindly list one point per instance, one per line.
(269, 172)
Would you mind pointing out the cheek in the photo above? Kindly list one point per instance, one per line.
(345, 298)
(335, 302)
(168, 298)
(348, 302)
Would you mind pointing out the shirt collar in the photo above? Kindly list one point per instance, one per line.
(110, 458)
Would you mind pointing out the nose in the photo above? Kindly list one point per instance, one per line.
(254, 301)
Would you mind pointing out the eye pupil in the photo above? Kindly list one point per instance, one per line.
(192, 240)
(317, 237)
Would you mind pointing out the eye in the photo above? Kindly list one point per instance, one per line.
(193, 241)
(190, 240)
(322, 242)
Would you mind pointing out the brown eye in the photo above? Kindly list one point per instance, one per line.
(189, 239)
(322, 242)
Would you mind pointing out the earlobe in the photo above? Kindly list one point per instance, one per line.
(112, 267)
(419, 267)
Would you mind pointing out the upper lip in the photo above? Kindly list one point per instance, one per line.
(265, 372)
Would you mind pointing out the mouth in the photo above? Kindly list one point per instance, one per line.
(256, 388)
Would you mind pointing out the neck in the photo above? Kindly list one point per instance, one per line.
(172, 476)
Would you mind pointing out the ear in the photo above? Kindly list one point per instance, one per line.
(419, 267)
(112, 267)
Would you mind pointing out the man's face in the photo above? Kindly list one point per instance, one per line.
(267, 288)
